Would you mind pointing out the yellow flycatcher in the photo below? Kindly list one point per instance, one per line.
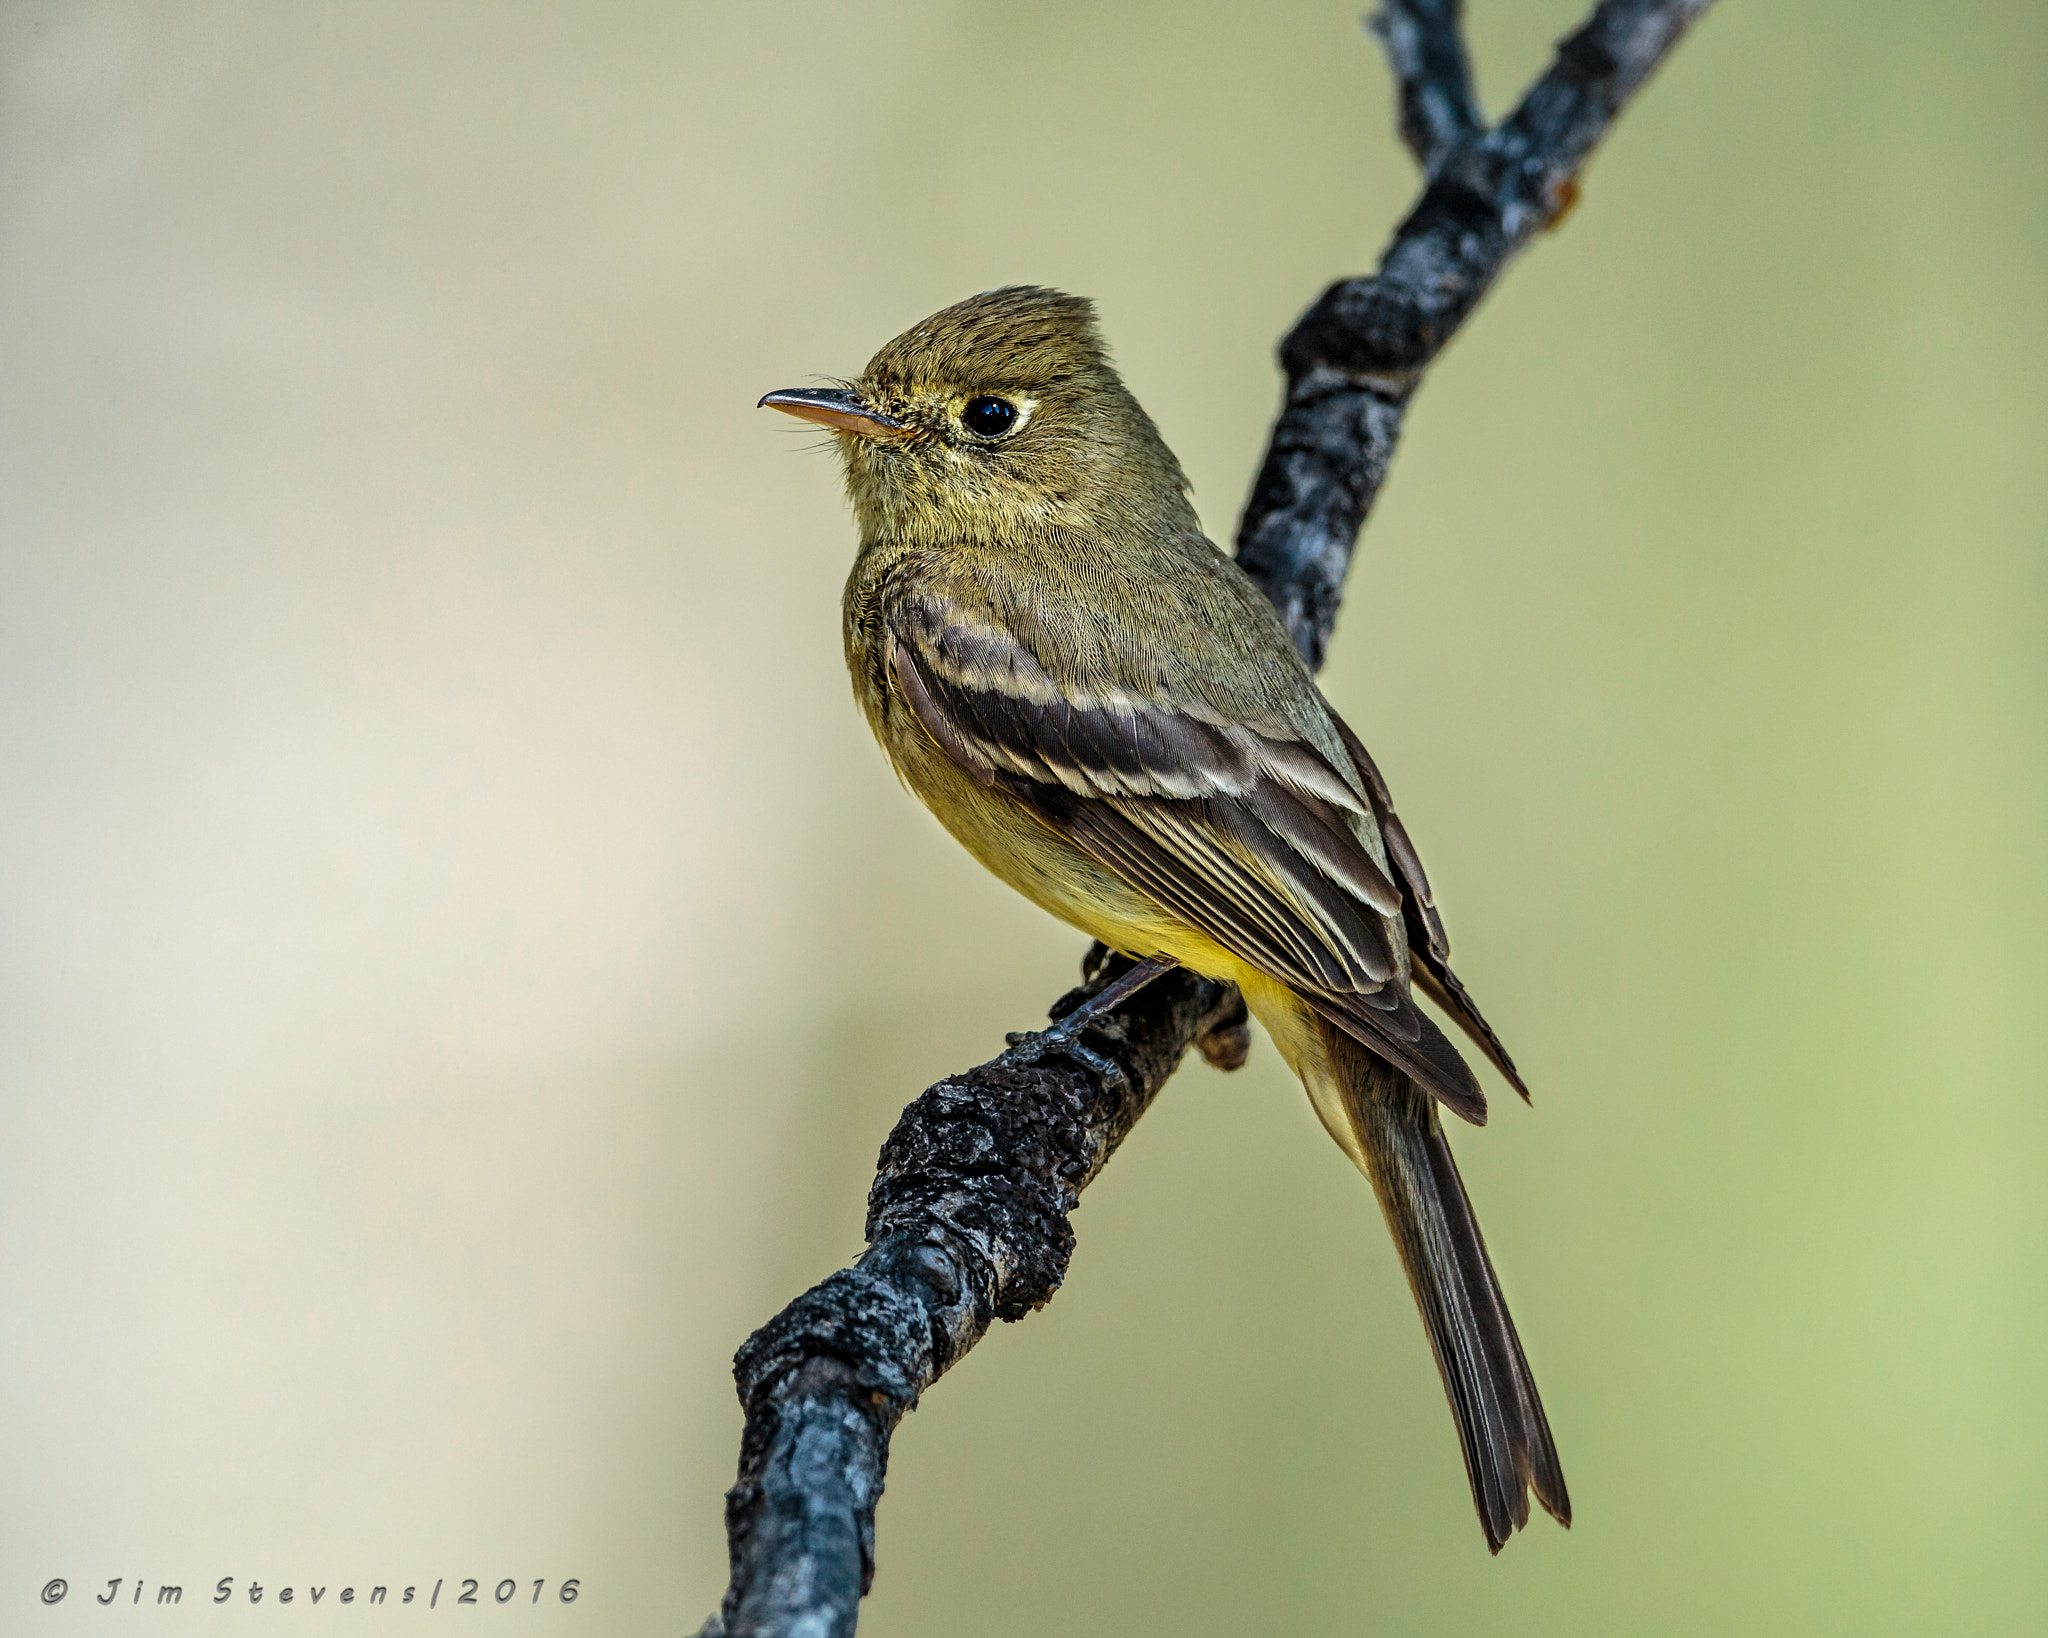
(1106, 713)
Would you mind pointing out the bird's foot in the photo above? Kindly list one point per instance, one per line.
(1064, 1038)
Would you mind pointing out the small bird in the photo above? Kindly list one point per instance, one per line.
(1102, 708)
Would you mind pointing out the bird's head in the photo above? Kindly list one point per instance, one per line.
(998, 415)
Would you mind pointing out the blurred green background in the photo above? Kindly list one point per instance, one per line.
(462, 952)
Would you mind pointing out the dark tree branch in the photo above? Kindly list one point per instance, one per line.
(967, 1220)
(967, 1224)
(1358, 354)
(1426, 49)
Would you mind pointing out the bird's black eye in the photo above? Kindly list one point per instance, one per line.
(989, 417)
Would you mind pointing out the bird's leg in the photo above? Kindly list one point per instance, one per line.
(1063, 1039)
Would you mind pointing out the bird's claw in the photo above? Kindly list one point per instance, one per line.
(1063, 1040)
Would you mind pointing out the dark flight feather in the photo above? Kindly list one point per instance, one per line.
(1429, 945)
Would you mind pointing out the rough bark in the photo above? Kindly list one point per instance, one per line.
(1357, 355)
(968, 1217)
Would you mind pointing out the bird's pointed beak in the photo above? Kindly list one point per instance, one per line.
(835, 407)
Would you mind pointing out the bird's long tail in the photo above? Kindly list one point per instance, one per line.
(1400, 1145)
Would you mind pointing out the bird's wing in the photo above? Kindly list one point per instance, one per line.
(1429, 945)
(1248, 835)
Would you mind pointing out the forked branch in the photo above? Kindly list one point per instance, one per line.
(968, 1217)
